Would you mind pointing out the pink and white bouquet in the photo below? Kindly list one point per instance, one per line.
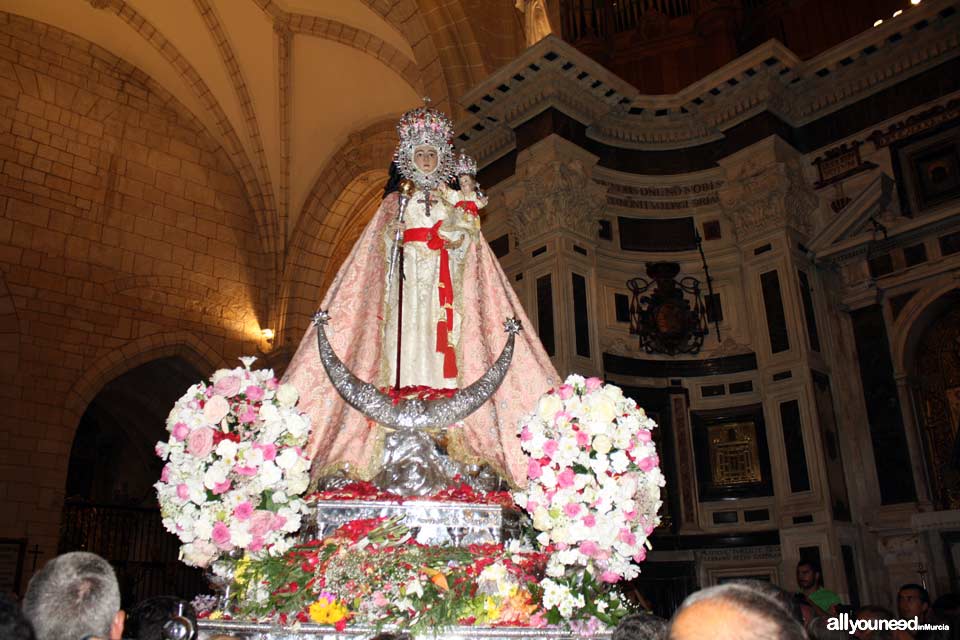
(235, 466)
(594, 487)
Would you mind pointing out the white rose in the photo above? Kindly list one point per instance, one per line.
(602, 409)
(287, 395)
(287, 458)
(602, 445)
(270, 474)
(269, 412)
(549, 406)
(227, 449)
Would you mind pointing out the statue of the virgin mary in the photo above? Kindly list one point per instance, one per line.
(448, 319)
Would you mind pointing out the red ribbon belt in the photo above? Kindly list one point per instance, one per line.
(469, 207)
(431, 236)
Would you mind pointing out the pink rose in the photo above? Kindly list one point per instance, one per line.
(221, 535)
(243, 510)
(533, 470)
(256, 544)
(550, 447)
(594, 383)
(627, 537)
(165, 473)
(272, 384)
(249, 416)
(565, 478)
(565, 391)
(260, 522)
(180, 431)
(589, 520)
(649, 463)
(245, 471)
(278, 522)
(589, 548)
(571, 509)
(610, 577)
(183, 492)
(379, 600)
(525, 435)
(644, 436)
(253, 393)
(216, 409)
(207, 392)
(268, 450)
(200, 442)
(640, 555)
(532, 505)
(221, 487)
(227, 387)
(583, 440)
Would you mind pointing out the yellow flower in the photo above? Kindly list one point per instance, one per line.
(241, 569)
(215, 615)
(325, 611)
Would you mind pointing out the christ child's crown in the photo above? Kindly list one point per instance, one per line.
(465, 165)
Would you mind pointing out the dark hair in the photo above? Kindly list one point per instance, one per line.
(393, 179)
(814, 566)
(758, 599)
(640, 626)
(148, 617)
(924, 594)
(13, 624)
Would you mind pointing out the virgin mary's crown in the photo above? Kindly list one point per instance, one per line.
(419, 127)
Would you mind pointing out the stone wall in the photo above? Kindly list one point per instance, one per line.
(125, 235)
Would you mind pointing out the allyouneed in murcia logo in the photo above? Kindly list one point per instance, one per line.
(844, 622)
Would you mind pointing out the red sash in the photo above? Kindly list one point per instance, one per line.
(469, 207)
(431, 236)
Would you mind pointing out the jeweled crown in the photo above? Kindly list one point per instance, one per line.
(425, 126)
(464, 165)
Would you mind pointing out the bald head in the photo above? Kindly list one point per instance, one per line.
(735, 611)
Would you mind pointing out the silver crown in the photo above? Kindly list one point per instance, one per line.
(465, 165)
(419, 127)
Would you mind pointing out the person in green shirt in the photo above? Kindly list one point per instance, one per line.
(810, 581)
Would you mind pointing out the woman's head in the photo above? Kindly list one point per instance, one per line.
(426, 159)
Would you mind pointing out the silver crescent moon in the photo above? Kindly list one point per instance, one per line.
(412, 414)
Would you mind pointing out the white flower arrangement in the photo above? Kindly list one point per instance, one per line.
(235, 466)
(594, 486)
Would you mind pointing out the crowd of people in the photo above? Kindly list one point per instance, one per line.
(76, 597)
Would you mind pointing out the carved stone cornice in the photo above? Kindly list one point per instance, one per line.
(770, 78)
(553, 190)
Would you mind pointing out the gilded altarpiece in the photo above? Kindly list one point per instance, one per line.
(731, 452)
(937, 376)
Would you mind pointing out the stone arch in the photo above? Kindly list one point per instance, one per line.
(918, 314)
(355, 174)
(136, 352)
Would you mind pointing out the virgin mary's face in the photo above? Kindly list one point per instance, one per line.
(425, 159)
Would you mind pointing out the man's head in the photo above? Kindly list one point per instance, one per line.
(809, 575)
(13, 626)
(744, 610)
(73, 596)
(640, 626)
(912, 601)
(871, 612)
(148, 618)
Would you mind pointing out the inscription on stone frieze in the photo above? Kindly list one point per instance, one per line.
(630, 196)
(916, 124)
(740, 554)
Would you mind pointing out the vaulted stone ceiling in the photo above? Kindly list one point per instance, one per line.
(282, 84)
